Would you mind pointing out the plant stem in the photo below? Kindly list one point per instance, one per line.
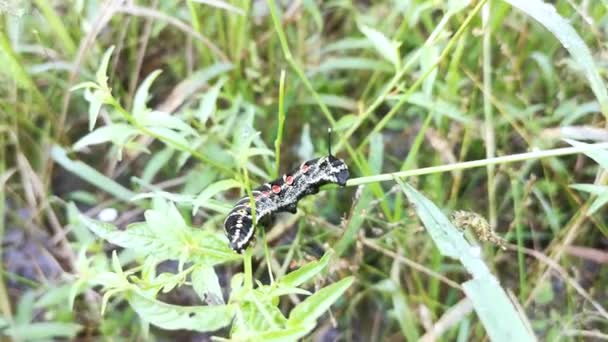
(478, 163)
(281, 123)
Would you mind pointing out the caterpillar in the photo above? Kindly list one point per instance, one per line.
(282, 195)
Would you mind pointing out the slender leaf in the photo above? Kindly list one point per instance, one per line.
(306, 272)
(90, 175)
(118, 134)
(314, 306)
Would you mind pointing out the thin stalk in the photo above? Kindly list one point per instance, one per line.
(354, 155)
(247, 268)
(267, 256)
(489, 134)
(5, 303)
(281, 113)
(478, 163)
(395, 109)
(519, 234)
(294, 65)
(394, 81)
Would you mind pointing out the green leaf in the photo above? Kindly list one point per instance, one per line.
(600, 156)
(170, 137)
(141, 96)
(490, 301)
(207, 105)
(438, 106)
(345, 122)
(100, 75)
(118, 134)
(96, 99)
(547, 15)
(306, 272)
(165, 239)
(287, 335)
(156, 163)
(207, 285)
(314, 306)
(352, 63)
(90, 175)
(165, 120)
(213, 190)
(385, 47)
(43, 331)
(174, 317)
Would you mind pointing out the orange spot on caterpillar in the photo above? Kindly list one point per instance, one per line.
(276, 188)
(289, 180)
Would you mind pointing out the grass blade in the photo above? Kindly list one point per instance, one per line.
(497, 313)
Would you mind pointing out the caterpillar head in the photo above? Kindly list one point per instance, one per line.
(332, 170)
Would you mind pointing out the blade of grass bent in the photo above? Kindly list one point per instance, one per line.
(498, 315)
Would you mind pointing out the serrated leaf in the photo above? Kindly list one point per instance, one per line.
(200, 246)
(306, 272)
(213, 190)
(384, 46)
(141, 95)
(101, 74)
(118, 134)
(174, 317)
(314, 306)
(207, 285)
(165, 219)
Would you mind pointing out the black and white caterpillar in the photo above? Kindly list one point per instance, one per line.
(282, 195)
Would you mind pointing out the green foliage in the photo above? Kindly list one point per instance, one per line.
(128, 130)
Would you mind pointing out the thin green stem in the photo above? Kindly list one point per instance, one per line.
(478, 163)
(279, 139)
(247, 268)
(294, 65)
(267, 256)
(394, 81)
(403, 99)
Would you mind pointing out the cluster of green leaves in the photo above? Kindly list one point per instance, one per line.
(166, 236)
